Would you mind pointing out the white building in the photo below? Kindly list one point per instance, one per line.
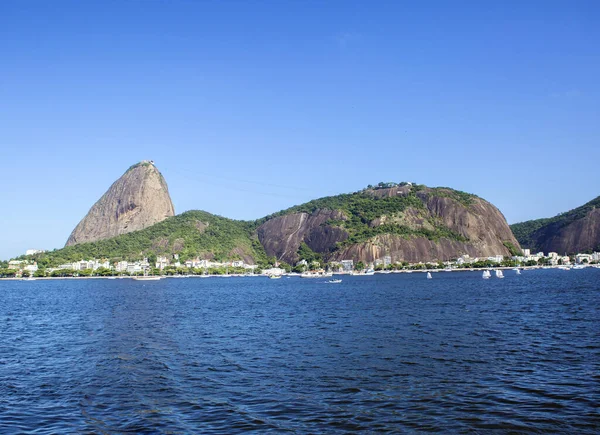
(161, 263)
(579, 258)
(348, 265)
(16, 264)
(31, 267)
(526, 252)
(387, 260)
(134, 268)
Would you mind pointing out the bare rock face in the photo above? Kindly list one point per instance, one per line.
(137, 200)
(572, 232)
(578, 236)
(282, 236)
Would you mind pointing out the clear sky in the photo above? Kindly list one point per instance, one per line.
(249, 107)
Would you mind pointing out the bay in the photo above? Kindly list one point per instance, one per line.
(386, 353)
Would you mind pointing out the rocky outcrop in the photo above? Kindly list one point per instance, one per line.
(281, 236)
(575, 231)
(456, 224)
(413, 250)
(137, 200)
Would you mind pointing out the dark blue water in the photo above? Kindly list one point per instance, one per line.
(394, 353)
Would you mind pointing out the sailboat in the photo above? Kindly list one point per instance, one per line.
(516, 269)
(428, 275)
(499, 274)
(486, 274)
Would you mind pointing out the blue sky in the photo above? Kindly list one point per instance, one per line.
(249, 107)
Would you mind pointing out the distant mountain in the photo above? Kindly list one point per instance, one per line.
(137, 200)
(577, 230)
(403, 221)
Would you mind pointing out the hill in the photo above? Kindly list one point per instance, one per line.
(404, 221)
(190, 234)
(574, 231)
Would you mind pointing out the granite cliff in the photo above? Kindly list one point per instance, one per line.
(137, 200)
(575, 231)
(408, 222)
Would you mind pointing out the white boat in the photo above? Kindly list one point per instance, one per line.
(486, 274)
(429, 275)
(368, 272)
(147, 277)
(579, 267)
(334, 281)
(499, 274)
(516, 269)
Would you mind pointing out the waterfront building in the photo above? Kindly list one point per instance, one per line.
(584, 258)
(348, 265)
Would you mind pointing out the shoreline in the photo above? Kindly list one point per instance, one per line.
(48, 278)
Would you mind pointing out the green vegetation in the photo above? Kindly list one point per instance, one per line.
(191, 234)
(305, 253)
(360, 209)
(514, 251)
(526, 232)
(466, 199)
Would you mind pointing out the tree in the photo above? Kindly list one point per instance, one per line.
(360, 266)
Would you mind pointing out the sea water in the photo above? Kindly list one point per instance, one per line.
(394, 352)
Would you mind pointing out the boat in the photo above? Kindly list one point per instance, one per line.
(578, 267)
(368, 272)
(274, 276)
(334, 281)
(499, 274)
(147, 277)
(516, 269)
(429, 275)
(486, 274)
(313, 274)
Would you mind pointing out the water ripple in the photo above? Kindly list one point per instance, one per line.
(395, 353)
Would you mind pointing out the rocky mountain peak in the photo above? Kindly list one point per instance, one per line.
(138, 199)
